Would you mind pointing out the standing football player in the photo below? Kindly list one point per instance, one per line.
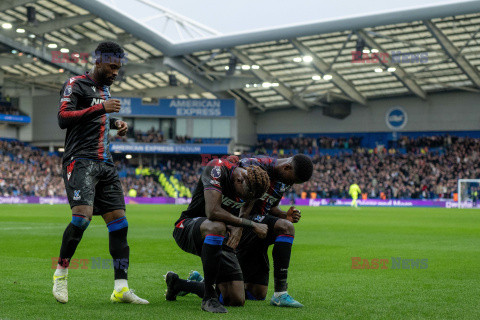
(91, 180)
(354, 191)
(224, 195)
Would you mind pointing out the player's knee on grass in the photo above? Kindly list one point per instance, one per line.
(255, 291)
(213, 227)
(283, 226)
(233, 298)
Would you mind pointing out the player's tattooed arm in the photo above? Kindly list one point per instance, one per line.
(236, 232)
(246, 209)
(215, 212)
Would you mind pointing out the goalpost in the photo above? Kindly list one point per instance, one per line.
(468, 193)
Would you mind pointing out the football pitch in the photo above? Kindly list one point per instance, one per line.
(432, 272)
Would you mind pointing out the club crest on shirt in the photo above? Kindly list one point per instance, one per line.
(68, 91)
(216, 172)
(284, 187)
(259, 218)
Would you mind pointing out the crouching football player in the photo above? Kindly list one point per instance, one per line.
(252, 250)
(224, 194)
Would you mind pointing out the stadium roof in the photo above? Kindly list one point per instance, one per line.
(301, 65)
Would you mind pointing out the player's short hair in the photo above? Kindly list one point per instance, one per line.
(302, 167)
(109, 50)
(257, 180)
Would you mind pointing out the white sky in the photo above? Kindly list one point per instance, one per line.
(239, 16)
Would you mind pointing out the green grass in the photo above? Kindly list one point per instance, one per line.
(320, 276)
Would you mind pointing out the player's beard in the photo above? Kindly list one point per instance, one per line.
(105, 79)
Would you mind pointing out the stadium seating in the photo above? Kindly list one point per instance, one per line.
(154, 136)
(427, 168)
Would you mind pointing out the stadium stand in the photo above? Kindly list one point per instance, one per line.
(29, 171)
(154, 136)
(428, 170)
(7, 107)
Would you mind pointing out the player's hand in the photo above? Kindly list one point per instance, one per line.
(234, 237)
(293, 215)
(112, 105)
(260, 229)
(122, 127)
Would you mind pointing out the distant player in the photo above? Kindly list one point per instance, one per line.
(91, 181)
(221, 198)
(252, 251)
(354, 191)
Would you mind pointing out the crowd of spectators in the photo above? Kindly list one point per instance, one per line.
(155, 136)
(6, 107)
(144, 186)
(150, 136)
(397, 176)
(412, 145)
(186, 169)
(27, 171)
(307, 145)
(428, 175)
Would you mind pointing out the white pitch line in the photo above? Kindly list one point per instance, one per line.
(43, 227)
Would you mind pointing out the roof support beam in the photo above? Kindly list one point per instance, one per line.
(245, 96)
(6, 5)
(52, 80)
(207, 84)
(12, 60)
(59, 23)
(263, 75)
(471, 72)
(231, 83)
(148, 66)
(41, 54)
(399, 73)
(160, 92)
(161, 43)
(89, 45)
(321, 66)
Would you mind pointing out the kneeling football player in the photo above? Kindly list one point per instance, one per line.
(224, 195)
(252, 251)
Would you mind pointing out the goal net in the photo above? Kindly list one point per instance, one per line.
(468, 193)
